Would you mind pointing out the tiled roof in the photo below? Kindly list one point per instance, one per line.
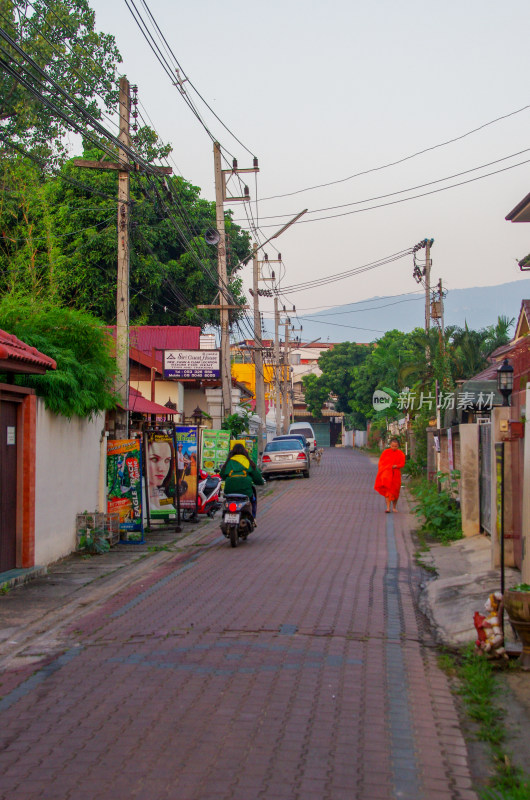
(162, 337)
(15, 355)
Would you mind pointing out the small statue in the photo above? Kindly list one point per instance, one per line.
(490, 634)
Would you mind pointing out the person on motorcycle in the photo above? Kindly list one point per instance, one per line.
(240, 474)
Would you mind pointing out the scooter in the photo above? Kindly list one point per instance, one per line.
(208, 496)
(237, 520)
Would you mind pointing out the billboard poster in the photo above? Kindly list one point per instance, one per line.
(214, 451)
(161, 475)
(124, 484)
(250, 442)
(191, 364)
(186, 439)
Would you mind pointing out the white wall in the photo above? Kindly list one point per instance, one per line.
(66, 479)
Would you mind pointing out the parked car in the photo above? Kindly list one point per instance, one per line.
(284, 457)
(306, 430)
(299, 436)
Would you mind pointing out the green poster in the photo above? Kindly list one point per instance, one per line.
(215, 447)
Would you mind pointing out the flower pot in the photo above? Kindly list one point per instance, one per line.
(517, 605)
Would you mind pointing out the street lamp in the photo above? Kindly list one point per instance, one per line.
(505, 381)
(197, 416)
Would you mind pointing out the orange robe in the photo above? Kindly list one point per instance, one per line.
(388, 480)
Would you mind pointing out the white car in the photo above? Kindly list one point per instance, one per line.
(305, 429)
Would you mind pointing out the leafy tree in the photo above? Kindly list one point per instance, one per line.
(60, 241)
(60, 37)
(315, 393)
(82, 384)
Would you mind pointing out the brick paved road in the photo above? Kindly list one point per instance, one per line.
(293, 667)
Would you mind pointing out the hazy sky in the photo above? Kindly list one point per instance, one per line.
(319, 92)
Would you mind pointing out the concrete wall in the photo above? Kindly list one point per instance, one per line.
(164, 391)
(469, 479)
(67, 476)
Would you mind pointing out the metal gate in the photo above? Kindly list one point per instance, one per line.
(321, 433)
(485, 475)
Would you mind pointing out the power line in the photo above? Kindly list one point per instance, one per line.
(406, 199)
(400, 160)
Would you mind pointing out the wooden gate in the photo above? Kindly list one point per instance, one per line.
(8, 485)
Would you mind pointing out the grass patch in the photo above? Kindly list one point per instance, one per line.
(479, 689)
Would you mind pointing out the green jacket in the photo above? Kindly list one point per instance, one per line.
(240, 476)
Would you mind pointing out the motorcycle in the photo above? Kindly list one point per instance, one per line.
(237, 520)
(208, 495)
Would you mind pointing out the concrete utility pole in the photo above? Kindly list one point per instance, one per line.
(224, 296)
(286, 378)
(427, 285)
(258, 355)
(122, 288)
(277, 367)
(123, 167)
(226, 377)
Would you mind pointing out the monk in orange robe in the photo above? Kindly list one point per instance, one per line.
(388, 480)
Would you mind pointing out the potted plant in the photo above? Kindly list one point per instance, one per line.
(517, 605)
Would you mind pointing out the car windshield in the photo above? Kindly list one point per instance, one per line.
(305, 432)
(290, 436)
(284, 444)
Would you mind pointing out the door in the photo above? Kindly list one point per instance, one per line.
(8, 485)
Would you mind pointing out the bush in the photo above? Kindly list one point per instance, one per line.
(440, 512)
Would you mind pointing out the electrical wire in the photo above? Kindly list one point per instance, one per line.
(400, 160)
(59, 235)
(406, 199)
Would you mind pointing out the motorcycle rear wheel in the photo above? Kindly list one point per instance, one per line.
(234, 538)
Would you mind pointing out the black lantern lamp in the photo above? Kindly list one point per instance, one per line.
(197, 416)
(505, 381)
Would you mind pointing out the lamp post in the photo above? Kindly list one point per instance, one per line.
(505, 381)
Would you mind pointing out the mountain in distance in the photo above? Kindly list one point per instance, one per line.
(365, 321)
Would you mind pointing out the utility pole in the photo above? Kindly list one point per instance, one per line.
(427, 273)
(226, 376)
(258, 355)
(221, 198)
(123, 168)
(277, 366)
(122, 289)
(286, 378)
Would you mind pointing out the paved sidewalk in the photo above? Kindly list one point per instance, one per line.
(295, 666)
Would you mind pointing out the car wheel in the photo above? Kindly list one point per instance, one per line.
(306, 473)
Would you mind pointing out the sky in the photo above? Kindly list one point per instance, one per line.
(320, 92)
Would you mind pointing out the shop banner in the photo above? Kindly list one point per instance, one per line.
(161, 475)
(186, 439)
(214, 451)
(250, 442)
(124, 484)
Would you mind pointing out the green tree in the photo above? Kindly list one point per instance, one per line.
(60, 241)
(82, 384)
(315, 394)
(60, 37)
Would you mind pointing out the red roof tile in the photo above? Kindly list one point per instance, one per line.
(17, 354)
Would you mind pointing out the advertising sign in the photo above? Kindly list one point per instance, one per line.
(215, 447)
(186, 439)
(124, 483)
(161, 475)
(191, 364)
(250, 442)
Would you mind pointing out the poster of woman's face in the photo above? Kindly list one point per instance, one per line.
(186, 437)
(161, 477)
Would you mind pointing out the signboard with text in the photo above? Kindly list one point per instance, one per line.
(124, 484)
(191, 364)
